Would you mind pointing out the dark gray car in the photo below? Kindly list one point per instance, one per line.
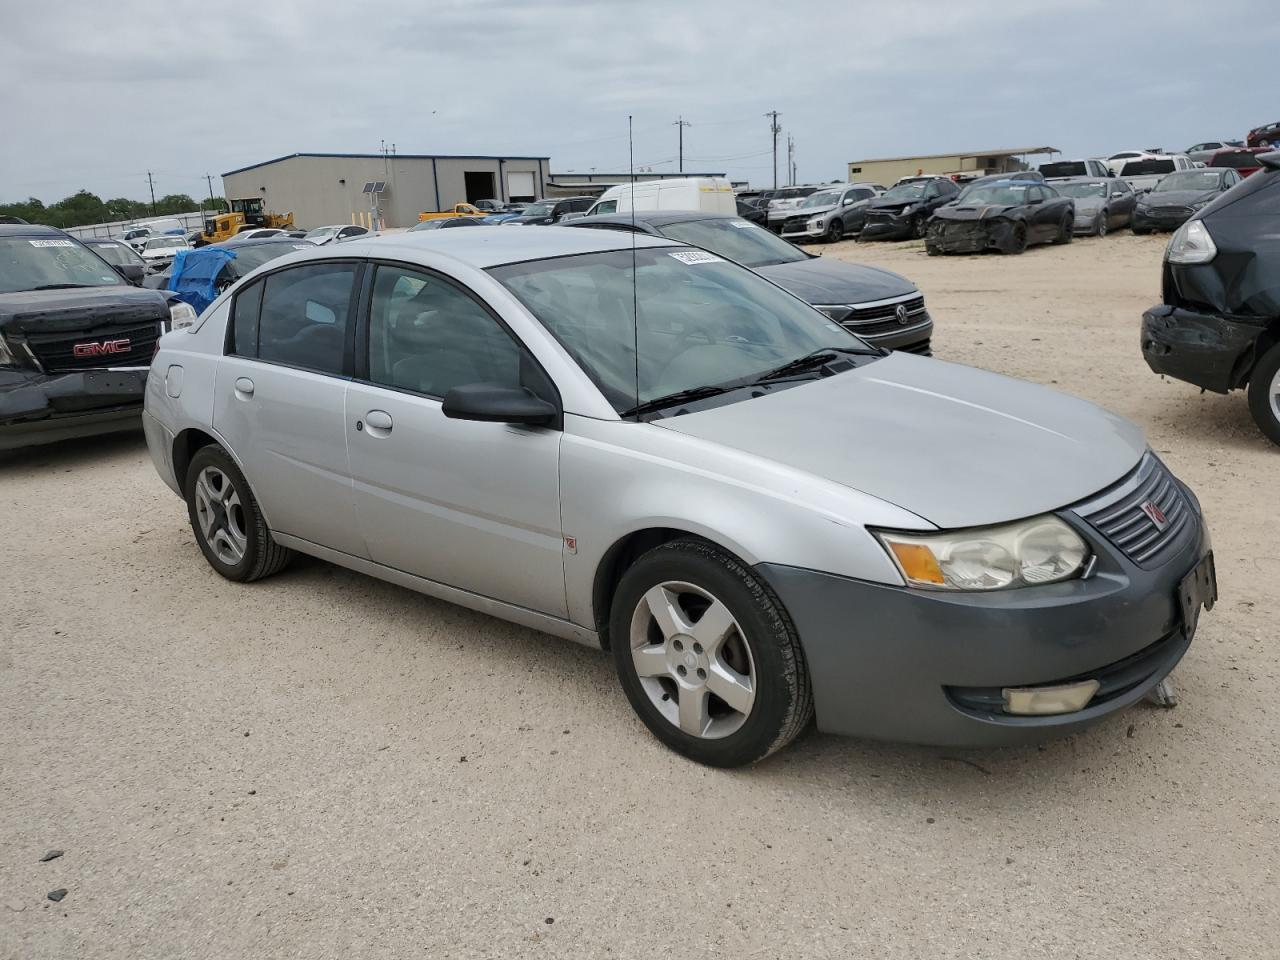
(879, 306)
(1102, 203)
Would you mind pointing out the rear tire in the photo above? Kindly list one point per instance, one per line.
(690, 622)
(226, 520)
(1264, 394)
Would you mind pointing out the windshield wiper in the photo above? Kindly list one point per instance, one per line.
(818, 358)
(680, 396)
(60, 286)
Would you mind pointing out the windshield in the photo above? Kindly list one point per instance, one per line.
(321, 232)
(824, 198)
(166, 243)
(906, 191)
(1082, 191)
(735, 239)
(1189, 180)
(255, 255)
(538, 210)
(116, 253)
(1146, 168)
(995, 195)
(702, 321)
(35, 263)
(426, 225)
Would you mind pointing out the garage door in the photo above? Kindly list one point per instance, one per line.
(520, 185)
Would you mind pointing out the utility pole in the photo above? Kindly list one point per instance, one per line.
(209, 180)
(791, 152)
(152, 184)
(681, 124)
(775, 130)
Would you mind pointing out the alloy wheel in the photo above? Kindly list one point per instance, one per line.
(1274, 394)
(220, 515)
(693, 660)
(1102, 224)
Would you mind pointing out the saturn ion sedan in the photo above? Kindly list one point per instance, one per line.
(641, 446)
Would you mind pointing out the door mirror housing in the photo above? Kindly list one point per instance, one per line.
(495, 403)
(132, 272)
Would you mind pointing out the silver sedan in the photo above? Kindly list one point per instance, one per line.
(641, 446)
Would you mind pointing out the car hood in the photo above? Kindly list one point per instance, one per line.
(955, 445)
(893, 206)
(1179, 198)
(827, 280)
(814, 211)
(976, 212)
(49, 311)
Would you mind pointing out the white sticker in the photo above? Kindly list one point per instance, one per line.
(52, 243)
(740, 224)
(696, 256)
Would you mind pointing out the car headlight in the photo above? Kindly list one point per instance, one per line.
(1192, 243)
(181, 315)
(836, 312)
(908, 209)
(1028, 553)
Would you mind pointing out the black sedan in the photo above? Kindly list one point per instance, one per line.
(1005, 215)
(1219, 325)
(1174, 199)
(881, 307)
(903, 211)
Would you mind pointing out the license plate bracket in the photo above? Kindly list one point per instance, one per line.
(1198, 589)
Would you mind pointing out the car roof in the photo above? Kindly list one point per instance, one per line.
(262, 242)
(489, 248)
(30, 230)
(1057, 180)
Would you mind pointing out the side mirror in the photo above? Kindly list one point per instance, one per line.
(133, 272)
(1034, 200)
(494, 403)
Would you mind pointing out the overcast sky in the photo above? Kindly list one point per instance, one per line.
(95, 94)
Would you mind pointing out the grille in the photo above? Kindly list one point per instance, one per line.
(56, 351)
(883, 317)
(1119, 516)
(1171, 211)
(795, 223)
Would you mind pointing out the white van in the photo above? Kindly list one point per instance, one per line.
(708, 194)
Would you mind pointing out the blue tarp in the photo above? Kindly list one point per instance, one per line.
(195, 275)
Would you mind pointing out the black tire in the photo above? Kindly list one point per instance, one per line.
(783, 695)
(262, 555)
(919, 227)
(1100, 229)
(1019, 244)
(835, 231)
(1140, 231)
(1264, 394)
(1066, 233)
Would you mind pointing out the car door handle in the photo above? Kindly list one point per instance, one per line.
(244, 388)
(378, 422)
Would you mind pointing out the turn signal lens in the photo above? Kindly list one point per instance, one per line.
(917, 563)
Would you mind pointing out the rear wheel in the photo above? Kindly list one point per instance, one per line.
(228, 526)
(1264, 394)
(835, 231)
(708, 656)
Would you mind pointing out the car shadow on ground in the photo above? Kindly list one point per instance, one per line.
(71, 454)
(1213, 418)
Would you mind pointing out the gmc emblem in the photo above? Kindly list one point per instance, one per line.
(102, 349)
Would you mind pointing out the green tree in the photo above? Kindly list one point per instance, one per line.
(80, 208)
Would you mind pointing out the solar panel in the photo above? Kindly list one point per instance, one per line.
(379, 186)
(368, 187)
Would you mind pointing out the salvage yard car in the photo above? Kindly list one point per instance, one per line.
(902, 212)
(121, 256)
(1177, 196)
(763, 519)
(1145, 173)
(1101, 205)
(1219, 324)
(1007, 215)
(881, 307)
(75, 339)
(830, 214)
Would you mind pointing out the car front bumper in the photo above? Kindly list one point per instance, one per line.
(804, 233)
(928, 667)
(1155, 220)
(886, 227)
(970, 236)
(1213, 352)
(40, 408)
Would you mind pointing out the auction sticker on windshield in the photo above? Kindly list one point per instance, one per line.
(52, 243)
(696, 256)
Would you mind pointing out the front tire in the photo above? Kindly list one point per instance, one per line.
(1065, 232)
(1264, 394)
(226, 520)
(1019, 241)
(708, 656)
(1100, 229)
(919, 227)
(835, 231)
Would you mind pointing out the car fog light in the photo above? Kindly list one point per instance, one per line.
(1046, 701)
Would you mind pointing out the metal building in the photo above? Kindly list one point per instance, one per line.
(324, 188)
(887, 170)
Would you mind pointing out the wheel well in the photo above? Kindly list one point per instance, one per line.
(1243, 372)
(185, 445)
(616, 561)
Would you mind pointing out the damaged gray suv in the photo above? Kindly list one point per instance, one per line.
(640, 446)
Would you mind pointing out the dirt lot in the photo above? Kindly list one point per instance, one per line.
(322, 765)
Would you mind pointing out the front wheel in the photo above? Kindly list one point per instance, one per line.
(1066, 233)
(1019, 242)
(226, 520)
(1100, 228)
(708, 656)
(1264, 394)
(835, 231)
(920, 227)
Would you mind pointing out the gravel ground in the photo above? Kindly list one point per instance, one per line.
(323, 765)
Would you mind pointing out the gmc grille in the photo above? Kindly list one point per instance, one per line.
(56, 352)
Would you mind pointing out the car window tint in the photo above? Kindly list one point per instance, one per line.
(303, 320)
(244, 321)
(429, 336)
(607, 206)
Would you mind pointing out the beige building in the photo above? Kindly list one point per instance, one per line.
(324, 188)
(888, 170)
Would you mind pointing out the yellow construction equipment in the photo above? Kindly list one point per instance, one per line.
(245, 212)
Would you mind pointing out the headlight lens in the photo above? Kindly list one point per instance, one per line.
(181, 315)
(1028, 553)
(1191, 243)
(909, 208)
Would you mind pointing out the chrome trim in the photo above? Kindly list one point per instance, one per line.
(884, 334)
(865, 304)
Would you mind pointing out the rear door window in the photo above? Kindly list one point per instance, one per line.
(304, 317)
